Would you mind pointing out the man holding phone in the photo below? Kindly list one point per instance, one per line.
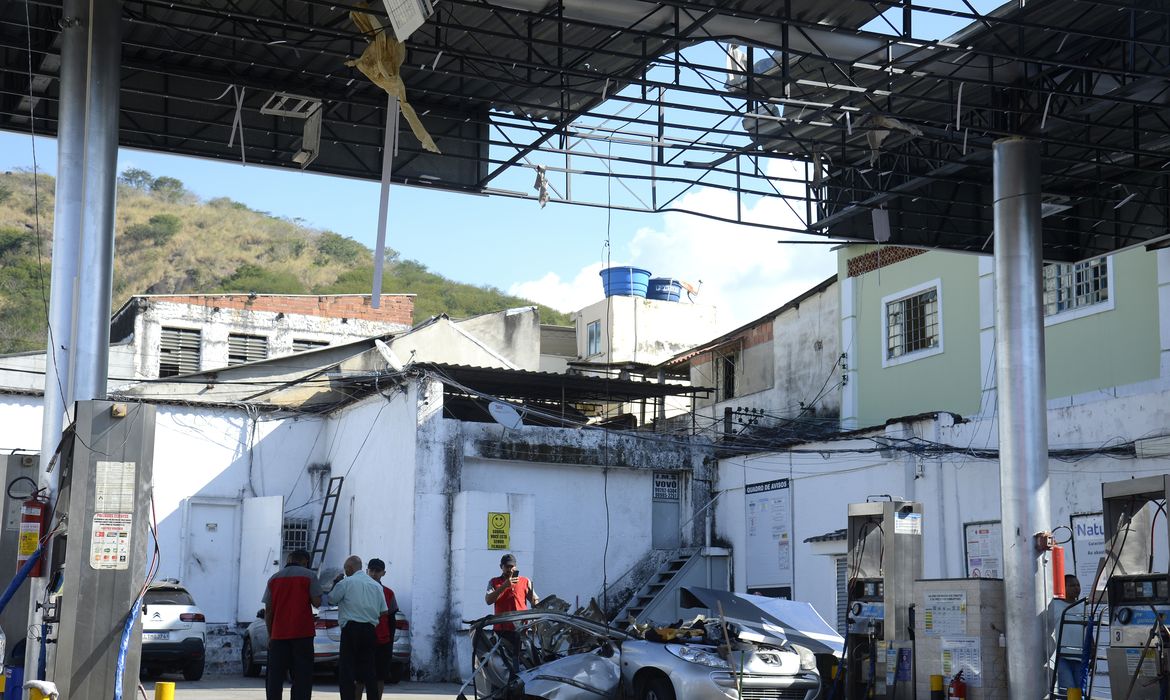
(510, 592)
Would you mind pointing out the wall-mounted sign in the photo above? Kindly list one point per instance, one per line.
(1088, 546)
(665, 486)
(769, 533)
(946, 613)
(499, 529)
(983, 543)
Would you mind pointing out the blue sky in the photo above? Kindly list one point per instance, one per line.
(551, 255)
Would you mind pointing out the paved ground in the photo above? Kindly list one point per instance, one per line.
(239, 688)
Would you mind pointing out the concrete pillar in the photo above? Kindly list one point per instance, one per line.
(1023, 425)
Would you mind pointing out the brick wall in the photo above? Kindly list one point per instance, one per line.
(876, 259)
(396, 308)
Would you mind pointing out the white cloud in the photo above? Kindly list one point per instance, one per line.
(745, 273)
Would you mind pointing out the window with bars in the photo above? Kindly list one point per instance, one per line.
(178, 351)
(301, 345)
(1071, 286)
(296, 534)
(912, 324)
(246, 348)
(727, 362)
(593, 338)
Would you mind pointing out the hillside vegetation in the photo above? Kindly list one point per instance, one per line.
(169, 241)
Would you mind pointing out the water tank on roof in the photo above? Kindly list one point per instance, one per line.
(664, 289)
(625, 281)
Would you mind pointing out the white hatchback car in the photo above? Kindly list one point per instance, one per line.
(174, 631)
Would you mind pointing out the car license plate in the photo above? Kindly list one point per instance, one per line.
(156, 636)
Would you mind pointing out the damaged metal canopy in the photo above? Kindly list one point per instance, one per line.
(773, 620)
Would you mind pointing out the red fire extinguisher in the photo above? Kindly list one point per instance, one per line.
(1058, 572)
(957, 690)
(34, 521)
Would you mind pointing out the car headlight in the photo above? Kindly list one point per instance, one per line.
(808, 661)
(697, 655)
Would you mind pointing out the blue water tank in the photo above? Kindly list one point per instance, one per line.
(625, 281)
(664, 289)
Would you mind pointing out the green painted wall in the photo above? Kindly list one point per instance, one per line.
(1111, 348)
(1095, 352)
(948, 381)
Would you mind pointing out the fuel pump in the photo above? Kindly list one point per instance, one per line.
(884, 560)
(1136, 577)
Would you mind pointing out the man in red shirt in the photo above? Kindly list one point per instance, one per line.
(289, 599)
(510, 592)
(384, 654)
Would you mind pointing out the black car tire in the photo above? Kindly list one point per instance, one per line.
(397, 672)
(657, 688)
(193, 671)
(251, 668)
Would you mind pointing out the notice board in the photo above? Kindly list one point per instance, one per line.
(768, 507)
(983, 544)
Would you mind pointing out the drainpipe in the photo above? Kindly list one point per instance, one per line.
(1023, 426)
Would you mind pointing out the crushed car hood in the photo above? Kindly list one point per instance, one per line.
(769, 620)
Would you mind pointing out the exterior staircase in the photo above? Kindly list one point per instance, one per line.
(657, 600)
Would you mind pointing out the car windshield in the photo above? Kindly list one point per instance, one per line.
(168, 596)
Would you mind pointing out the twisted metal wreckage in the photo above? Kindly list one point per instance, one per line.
(757, 646)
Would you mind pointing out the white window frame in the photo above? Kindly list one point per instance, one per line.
(590, 351)
(1081, 312)
(936, 285)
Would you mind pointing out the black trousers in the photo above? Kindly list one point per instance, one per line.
(285, 655)
(359, 642)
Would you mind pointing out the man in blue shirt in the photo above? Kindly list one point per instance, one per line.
(360, 604)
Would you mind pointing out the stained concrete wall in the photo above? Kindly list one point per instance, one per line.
(513, 334)
(786, 360)
(215, 324)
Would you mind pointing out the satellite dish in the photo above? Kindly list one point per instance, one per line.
(388, 355)
(505, 415)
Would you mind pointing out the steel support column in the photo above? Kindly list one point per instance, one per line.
(96, 273)
(389, 150)
(1023, 424)
(67, 208)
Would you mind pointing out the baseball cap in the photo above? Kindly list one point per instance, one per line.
(376, 565)
(508, 559)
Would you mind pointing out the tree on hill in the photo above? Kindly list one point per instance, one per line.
(253, 278)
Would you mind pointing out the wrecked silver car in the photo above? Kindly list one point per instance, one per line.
(746, 647)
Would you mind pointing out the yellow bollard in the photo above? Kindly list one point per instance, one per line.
(1074, 694)
(164, 690)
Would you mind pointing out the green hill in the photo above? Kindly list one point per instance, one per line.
(169, 241)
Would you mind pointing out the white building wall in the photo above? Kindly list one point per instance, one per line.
(218, 457)
(216, 324)
(634, 329)
(372, 444)
(20, 423)
(954, 489)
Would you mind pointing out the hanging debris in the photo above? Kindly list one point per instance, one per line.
(381, 63)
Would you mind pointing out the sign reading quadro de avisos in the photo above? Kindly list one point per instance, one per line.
(499, 526)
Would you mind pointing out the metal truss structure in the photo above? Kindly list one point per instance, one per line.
(634, 104)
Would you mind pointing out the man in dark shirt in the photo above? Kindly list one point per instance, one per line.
(384, 656)
(289, 599)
